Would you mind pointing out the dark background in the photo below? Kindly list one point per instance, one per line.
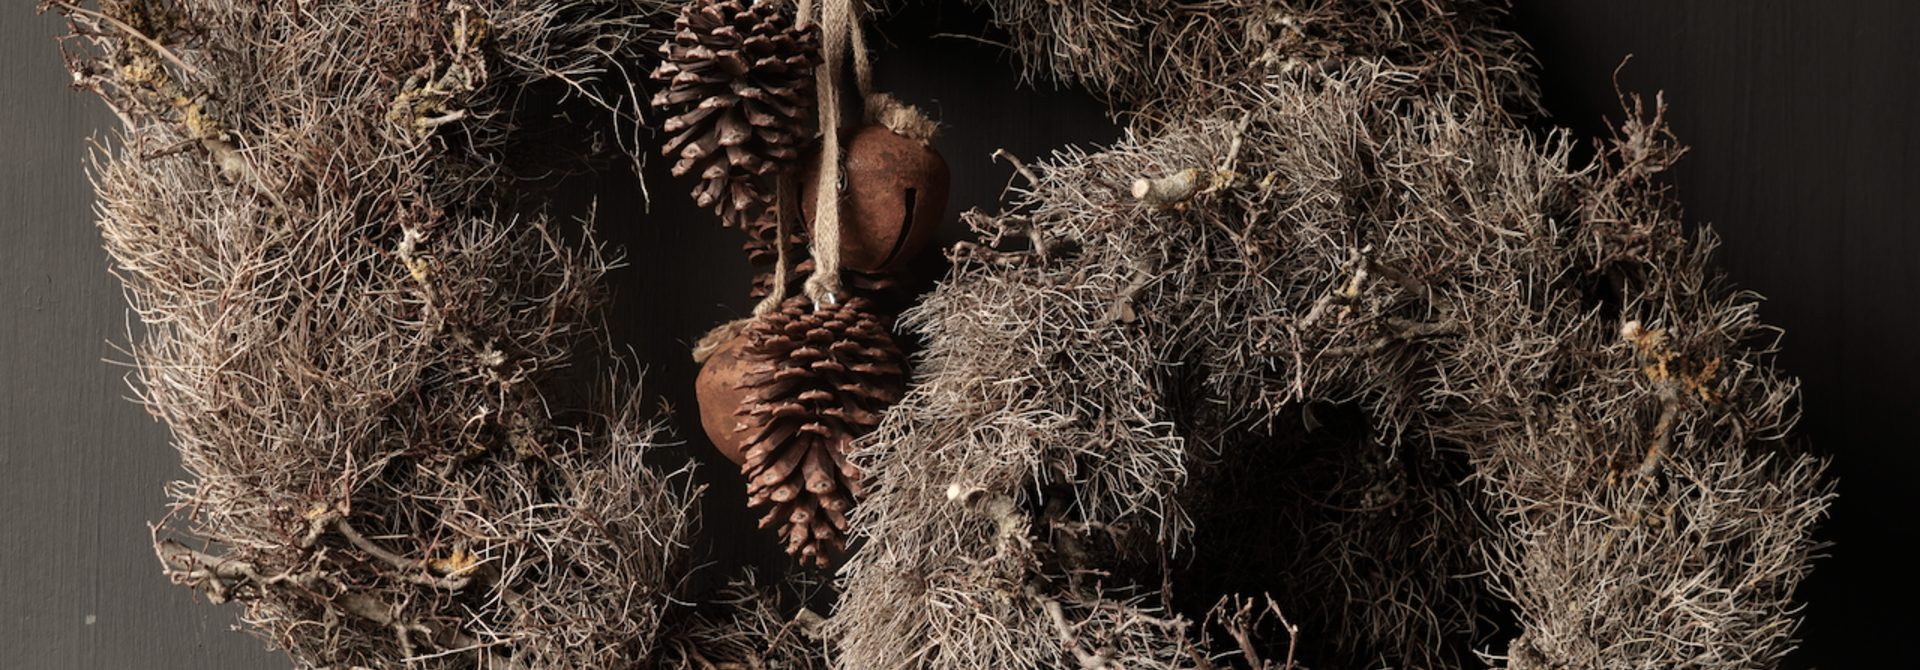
(1800, 115)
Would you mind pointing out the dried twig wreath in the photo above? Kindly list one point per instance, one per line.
(1332, 363)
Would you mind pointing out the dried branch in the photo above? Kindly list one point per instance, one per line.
(1018, 166)
(1169, 190)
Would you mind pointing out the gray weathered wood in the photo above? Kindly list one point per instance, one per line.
(81, 468)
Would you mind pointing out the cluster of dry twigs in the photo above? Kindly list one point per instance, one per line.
(1157, 60)
(1330, 365)
(364, 337)
(1373, 351)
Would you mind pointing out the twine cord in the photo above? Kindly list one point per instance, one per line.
(840, 31)
(786, 216)
(836, 18)
(862, 65)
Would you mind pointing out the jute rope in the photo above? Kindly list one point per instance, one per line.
(786, 215)
(840, 31)
(862, 67)
(824, 285)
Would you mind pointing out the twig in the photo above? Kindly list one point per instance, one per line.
(1088, 660)
(1357, 265)
(1293, 632)
(1233, 149)
(1240, 627)
(968, 252)
(415, 571)
(1169, 190)
(1017, 165)
(1662, 431)
(130, 31)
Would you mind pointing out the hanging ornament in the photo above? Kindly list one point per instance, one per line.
(893, 196)
(743, 74)
(762, 236)
(800, 384)
(719, 392)
(786, 392)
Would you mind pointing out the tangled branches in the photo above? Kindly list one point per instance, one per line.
(1360, 298)
(1167, 62)
(363, 337)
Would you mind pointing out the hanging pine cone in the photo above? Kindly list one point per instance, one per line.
(761, 235)
(817, 378)
(747, 73)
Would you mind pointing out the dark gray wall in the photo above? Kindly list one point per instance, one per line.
(81, 468)
(1803, 159)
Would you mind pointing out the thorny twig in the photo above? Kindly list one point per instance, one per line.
(1241, 623)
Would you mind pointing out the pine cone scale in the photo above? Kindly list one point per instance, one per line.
(735, 64)
(683, 122)
(763, 46)
(778, 471)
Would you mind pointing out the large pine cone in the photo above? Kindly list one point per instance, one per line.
(747, 73)
(820, 377)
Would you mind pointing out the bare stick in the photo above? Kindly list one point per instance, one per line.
(1168, 190)
(1293, 632)
(1017, 165)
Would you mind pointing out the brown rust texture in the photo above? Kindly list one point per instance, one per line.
(894, 191)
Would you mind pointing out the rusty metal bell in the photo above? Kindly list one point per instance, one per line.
(893, 197)
(719, 393)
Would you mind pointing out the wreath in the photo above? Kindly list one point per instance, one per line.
(1333, 361)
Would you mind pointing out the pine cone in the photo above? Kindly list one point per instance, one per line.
(747, 73)
(820, 378)
(761, 235)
